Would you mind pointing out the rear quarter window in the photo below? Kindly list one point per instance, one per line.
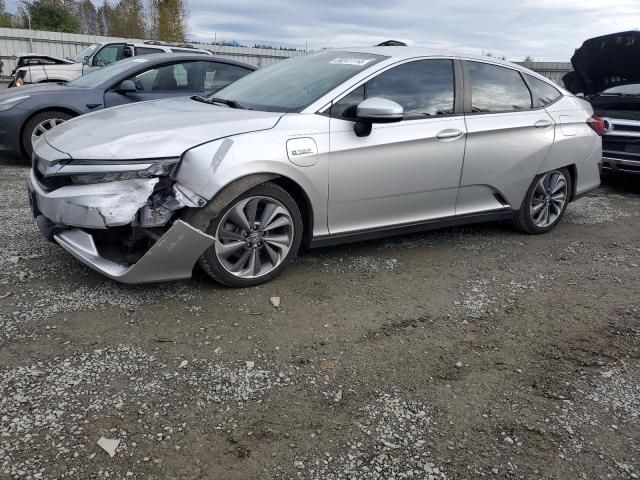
(545, 92)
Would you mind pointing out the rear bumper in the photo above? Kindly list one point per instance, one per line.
(620, 165)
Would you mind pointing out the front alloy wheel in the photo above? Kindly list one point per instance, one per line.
(256, 235)
(44, 126)
(545, 202)
(38, 125)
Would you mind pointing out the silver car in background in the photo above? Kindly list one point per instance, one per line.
(330, 147)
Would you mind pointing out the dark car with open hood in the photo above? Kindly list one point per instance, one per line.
(607, 73)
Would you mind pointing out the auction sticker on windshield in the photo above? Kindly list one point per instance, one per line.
(360, 62)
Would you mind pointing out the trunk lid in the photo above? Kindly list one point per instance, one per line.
(605, 62)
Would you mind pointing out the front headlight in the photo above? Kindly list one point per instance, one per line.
(12, 102)
(103, 173)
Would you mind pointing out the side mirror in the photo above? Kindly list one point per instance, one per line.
(376, 110)
(126, 86)
(86, 60)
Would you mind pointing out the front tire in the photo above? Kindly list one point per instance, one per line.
(40, 124)
(257, 234)
(545, 202)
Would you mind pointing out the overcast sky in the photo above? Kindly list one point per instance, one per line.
(548, 30)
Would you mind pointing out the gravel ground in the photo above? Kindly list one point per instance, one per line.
(464, 353)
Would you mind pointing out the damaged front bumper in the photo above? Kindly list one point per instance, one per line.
(100, 206)
(172, 257)
(76, 217)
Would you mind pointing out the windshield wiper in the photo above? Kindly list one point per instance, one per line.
(212, 100)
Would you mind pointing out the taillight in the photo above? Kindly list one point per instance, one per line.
(597, 124)
(20, 74)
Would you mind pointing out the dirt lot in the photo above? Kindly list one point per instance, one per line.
(460, 354)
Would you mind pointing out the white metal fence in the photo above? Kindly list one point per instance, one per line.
(14, 41)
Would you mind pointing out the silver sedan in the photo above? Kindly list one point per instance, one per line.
(336, 146)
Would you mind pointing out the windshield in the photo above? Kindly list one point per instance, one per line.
(87, 52)
(294, 84)
(101, 75)
(633, 89)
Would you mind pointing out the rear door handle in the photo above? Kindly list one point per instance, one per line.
(449, 134)
(543, 123)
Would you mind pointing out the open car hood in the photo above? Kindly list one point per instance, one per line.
(605, 62)
(40, 59)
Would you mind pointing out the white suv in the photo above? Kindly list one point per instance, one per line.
(37, 68)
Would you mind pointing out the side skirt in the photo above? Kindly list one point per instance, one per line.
(363, 235)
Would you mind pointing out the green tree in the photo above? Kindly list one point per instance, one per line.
(53, 16)
(89, 19)
(128, 19)
(105, 16)
(6, 19)
(528, 59)
(170, 20)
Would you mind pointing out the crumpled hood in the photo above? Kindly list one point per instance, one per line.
(155, 129)
(605, 62)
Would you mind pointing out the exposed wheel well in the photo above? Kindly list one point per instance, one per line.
(200, 217)
(68, 111)
(304, 204)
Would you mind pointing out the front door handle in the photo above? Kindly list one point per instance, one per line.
(449, 134)
(543, 123)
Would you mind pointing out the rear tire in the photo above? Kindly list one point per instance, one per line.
(257, 234)
(39, 125)
(545, 202)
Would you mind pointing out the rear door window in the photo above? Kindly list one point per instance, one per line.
(497, 89)
(546, 93)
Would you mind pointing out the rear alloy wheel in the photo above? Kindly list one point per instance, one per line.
(256, 235)
(545, 202)
(39, 125)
